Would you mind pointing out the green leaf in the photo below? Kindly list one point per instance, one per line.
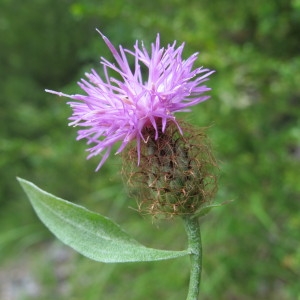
(204, 210)
(89, 233)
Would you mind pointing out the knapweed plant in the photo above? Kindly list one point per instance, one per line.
(168, 164)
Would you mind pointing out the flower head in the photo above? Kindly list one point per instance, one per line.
(118, 109)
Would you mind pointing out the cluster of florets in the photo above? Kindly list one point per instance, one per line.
(116, 109)
(168, 165)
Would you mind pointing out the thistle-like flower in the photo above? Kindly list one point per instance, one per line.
(113, 110)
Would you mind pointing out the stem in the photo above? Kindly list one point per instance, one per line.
(192, 229)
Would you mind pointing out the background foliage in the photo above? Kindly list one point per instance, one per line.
(251, 247)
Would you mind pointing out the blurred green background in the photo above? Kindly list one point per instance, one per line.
(251, 247)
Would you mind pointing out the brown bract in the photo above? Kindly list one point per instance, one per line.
(176, 174)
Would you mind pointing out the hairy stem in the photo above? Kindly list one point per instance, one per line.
(192, 229)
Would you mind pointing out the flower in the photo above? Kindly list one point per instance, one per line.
(118, 109)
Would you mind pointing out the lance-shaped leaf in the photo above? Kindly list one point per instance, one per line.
(89, 233)
(204, 210)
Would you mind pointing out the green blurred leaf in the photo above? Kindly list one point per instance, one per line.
(89, 233)
(204, 210)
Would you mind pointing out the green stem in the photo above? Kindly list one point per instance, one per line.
(192, 229)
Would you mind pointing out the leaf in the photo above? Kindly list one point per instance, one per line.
(204, 210)
(89, 233)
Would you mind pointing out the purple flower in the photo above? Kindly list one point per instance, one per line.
(113, 110)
